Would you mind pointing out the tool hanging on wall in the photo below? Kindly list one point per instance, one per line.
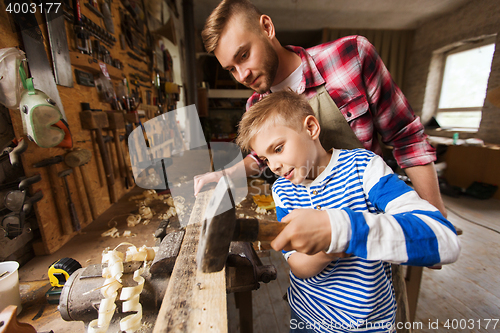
(71, 206)
(95, 121)
(108, 19)
(19, 203)
(40, 68)
(82, 35)
(77, 159)
(58, 40)
(58, 195)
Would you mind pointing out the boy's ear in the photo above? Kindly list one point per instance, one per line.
(267, 26)
(312, 127)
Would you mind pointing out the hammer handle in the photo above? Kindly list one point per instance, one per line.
(110, 179)
(89, 192)
(59, 199)
(119, 154)
(251, 230)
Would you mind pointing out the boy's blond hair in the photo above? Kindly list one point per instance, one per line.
(217, 21)
(280, 108)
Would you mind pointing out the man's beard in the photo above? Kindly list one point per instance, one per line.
(269, 69)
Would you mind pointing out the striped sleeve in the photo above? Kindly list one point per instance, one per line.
(281, 212)
(408, 231)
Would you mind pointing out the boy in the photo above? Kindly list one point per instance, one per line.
(369, 219)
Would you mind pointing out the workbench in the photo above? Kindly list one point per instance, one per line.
(195, 302)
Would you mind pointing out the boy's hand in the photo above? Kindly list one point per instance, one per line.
(308, 232)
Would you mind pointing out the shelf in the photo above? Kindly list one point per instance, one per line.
(88, 63)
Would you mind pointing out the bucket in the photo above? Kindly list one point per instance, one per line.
(9, 285)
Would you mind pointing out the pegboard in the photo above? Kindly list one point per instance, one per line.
(51, 229)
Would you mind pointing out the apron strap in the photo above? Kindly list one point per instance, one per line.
(335, 130)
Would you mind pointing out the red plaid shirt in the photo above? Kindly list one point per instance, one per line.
(363, 90)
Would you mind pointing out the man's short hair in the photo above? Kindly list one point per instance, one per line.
(217, 21)
(281, 108)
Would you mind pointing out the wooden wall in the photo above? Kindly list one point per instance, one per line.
(50, 228)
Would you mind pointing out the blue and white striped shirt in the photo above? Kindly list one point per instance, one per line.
(379, 220)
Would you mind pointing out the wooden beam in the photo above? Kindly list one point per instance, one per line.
(194, 301)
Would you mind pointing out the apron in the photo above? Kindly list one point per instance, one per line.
(335, 131)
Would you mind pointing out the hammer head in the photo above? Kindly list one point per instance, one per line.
(93, 120)
(217, 229)
(77, 157)
(65, 173)
(115, 120)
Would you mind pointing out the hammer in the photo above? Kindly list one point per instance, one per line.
(76, 159)
(116, 121)
(74, 217)
(58, 196)
(221, 227)
(96, 121)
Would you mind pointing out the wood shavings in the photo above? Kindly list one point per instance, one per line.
(242, 215)
(179, 206)
(169, 201)
(150, 194)
(163, 216)
(133, 220)
(146, 221)
(145, 212)
(128, 233)
(131, 295)
(113, 233)
(260, 210)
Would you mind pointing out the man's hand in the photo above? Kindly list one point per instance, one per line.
(206, 178)
(308, 231)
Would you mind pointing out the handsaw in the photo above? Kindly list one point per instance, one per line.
(59, 48)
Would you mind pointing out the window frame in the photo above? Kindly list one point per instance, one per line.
(457, 48)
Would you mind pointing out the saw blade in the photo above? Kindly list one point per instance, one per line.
(59, 48)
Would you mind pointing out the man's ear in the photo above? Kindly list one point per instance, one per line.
(267, 26)
(311, 124)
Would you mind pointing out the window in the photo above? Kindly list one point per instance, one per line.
(464, 83)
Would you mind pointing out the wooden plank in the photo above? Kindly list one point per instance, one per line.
(194, 301)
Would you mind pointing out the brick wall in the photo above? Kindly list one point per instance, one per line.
(475, 19)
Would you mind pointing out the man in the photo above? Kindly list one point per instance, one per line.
(348, 86)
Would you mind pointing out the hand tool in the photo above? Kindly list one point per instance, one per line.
(83, 290)
(60, 271)
(83, 42)
(77, 159)
(72, 211)
(170, 245)
(95, 121)
(98, 158)
(84, 78)
(56, 30)
(57, 194)
(39, 65)
(20, 204)
(108, 19)
(220, 227)
(14, 153)
(115, 169)
(116, 121)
